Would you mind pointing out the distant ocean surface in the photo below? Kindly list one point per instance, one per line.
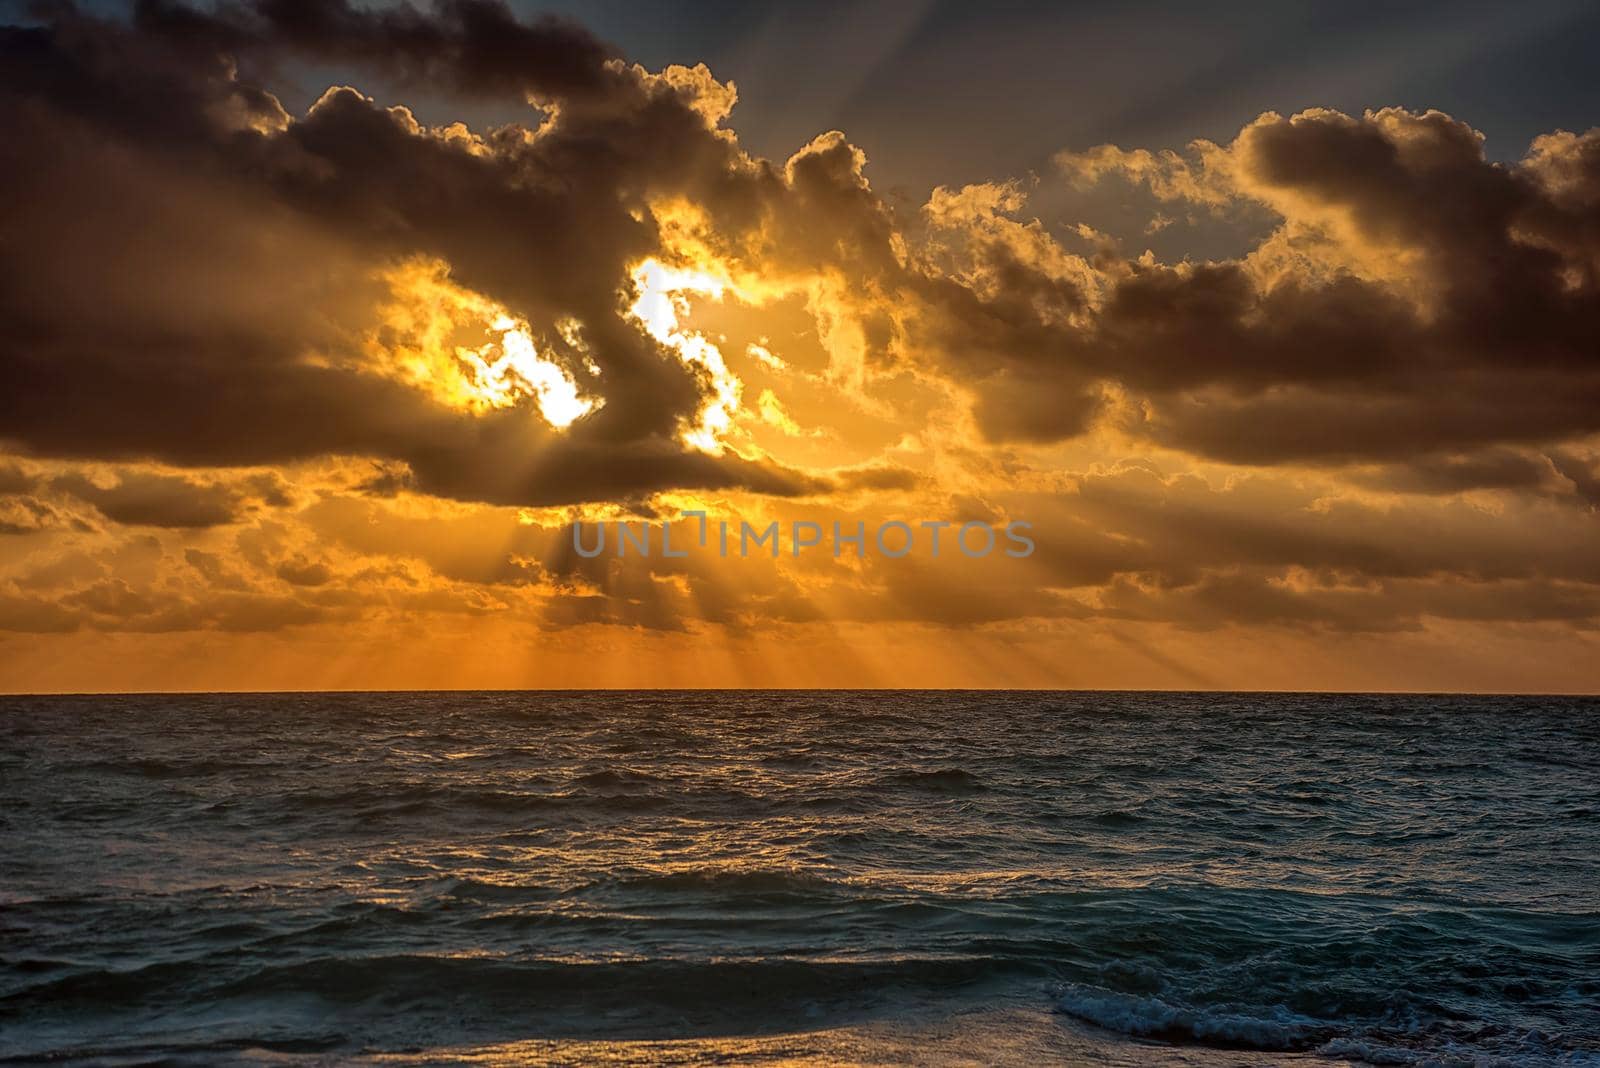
(592, 878)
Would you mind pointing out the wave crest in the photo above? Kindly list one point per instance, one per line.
(1150, 1017)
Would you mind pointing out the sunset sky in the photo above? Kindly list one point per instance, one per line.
(320, 325)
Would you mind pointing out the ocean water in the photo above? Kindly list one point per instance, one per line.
(798, 877)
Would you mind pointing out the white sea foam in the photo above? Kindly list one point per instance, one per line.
(1132, 1014)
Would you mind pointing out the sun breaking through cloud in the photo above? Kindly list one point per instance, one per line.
(1317, 404)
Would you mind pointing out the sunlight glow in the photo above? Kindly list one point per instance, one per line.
(420, 340)
(662, 297)
(517, 370)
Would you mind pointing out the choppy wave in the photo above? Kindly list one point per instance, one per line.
(1150, 1017)
(1277, 1029)
(1391, 880)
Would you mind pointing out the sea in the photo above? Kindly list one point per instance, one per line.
(793, 877)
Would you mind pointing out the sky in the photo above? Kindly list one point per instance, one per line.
(1274, 331)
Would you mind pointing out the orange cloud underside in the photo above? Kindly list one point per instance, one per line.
(338, 398)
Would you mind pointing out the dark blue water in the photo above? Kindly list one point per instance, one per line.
(872, 877)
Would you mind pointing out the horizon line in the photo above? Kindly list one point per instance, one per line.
(1221, 691)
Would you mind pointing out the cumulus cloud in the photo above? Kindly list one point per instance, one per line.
(1415, 298)
(264, 371)
(196, 272)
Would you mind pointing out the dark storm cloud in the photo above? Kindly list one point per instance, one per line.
(136, 497)
(157, 500)
(475, 46)
(1418, 298)
(1255, 598)
(188, 270)
(1496, 342)
(878, 477)
(1504, 469)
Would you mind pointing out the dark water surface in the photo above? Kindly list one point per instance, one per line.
(771, 877)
